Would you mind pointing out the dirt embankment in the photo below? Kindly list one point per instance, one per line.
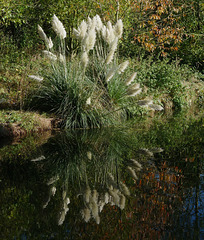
(17, 129)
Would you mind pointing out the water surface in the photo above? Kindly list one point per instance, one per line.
(132, 183)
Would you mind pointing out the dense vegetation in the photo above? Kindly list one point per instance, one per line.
(162, 40)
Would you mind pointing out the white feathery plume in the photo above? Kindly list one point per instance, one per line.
(110, 57)
(103, 32)
(62, 58)
(118, 28)
(90, 39)
(113, 47)
(76, 33)
(39, 79)
(130, 79)
(144, 102)
(58, 27)
(134, 92)
(42, 33)
(122, 66)
(89, 22)
(88, 102)
(99, 23)
(48, 41)
(110, 74)
(82, 29)
(84, 58)
(156, 107)
(50, 55)
(134, 86)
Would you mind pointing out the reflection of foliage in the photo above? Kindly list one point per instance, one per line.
(88, 160)
(76, 165)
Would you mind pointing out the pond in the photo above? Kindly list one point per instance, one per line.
(141, 182)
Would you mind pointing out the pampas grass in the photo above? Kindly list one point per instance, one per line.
(89, 90)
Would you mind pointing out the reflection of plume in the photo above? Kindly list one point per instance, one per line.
(132, 172)
(136, 164)
(145, 151)
(38, 159)
(86, 214)
(51, 193)
(122, 202)
(89, 155)
(52, 180)
(124, 189)
(87, 195)
(65, 209)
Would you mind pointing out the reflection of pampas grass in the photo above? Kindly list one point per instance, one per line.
(97, 219)
(132, 172)
(137, 164)
(116, 198)
(95, 196)
(122, 202)
(106, 197)
(53, 191)
(87, 195)
(94, 210)
(124, 189)
(86, 214)
(61, 218)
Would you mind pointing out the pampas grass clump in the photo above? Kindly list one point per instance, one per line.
(88, 90)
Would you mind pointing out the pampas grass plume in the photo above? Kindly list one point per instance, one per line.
(37, 78)
(110, 74)
(130, 79)
(84, 59)
(50, 55)
(118, 28)
(58, 27)
(122, 66)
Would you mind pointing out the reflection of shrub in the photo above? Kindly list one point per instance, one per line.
(86, 91)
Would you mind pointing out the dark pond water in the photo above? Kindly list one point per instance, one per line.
(145, 182)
